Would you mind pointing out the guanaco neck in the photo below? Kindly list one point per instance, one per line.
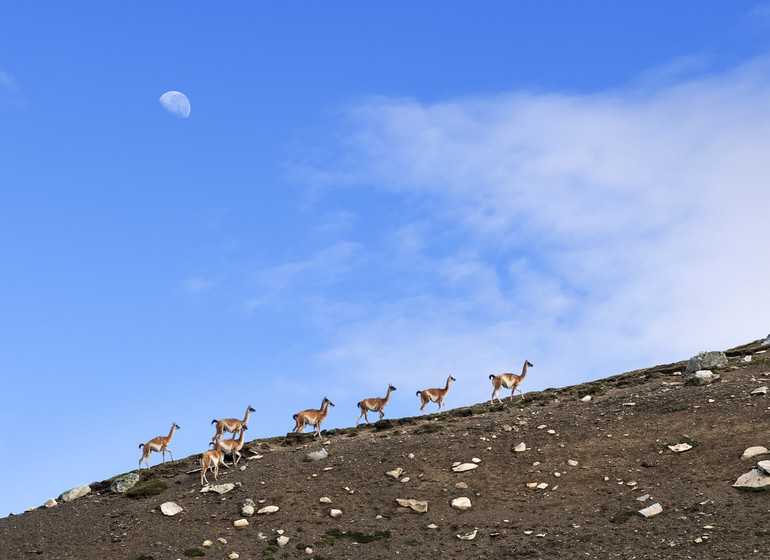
(387, 397)
(171, 433)
(448, 381)
(524, 371)
(246, 418)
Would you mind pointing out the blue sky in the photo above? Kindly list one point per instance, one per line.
(363, 194)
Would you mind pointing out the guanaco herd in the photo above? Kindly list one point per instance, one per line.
(215, 456)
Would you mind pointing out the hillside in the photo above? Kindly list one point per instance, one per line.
(598, 458)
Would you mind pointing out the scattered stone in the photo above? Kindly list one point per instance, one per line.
(207, 543)
(267, 509)
(219, 488)
(395, 473)
(170, 509)
(317, 455)
(405, 479)
(542, 427)
(759, 391)
(461, 503)
(746, 359)
(572, 463)
(706, 360)
(643, 498)
(507, 428)
(416, 505)
(531, 484)
(432, 526)
(703, 377)
(753, 452)
(528, 532)
(469, 536)
(411, 456)
(587, 398)
(753, 480)
(649, 511)
(282, 541)
(308, 550)
(680, 447)
(124, 482)
(75, 493)
(521, 447)
(240, 523)
(247, 510)
(542, 486)
(465, 467)
(325, 500)
(763, 466)
(629, 404)
(233, 556)
(335, 513)
(50, 503)
(222, 540)
(476, 460)
(461, 486)
(552, 432)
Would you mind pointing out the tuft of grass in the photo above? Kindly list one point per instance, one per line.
(146, 489)
(679, 407)
(355, 536)
(194, 552)
(688, 440)
(762, 534)
(429, 428)
(621, 517)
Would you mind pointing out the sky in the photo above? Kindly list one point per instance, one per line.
(363, 193)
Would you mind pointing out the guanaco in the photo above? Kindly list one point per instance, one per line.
(233, 447)
(509, 381)
(231, 424)
(374, 404)
(159, 443)
(313, 417)
(214, 456)
(435, 395)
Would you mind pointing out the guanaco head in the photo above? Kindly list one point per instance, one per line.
(452, 378)
(529, 364)
(251, 409)
(176, 426)
(327, 401)
(391, 388)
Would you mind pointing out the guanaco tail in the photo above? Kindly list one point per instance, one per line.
(159, 443)
(509, 381)
(435, 395)
(374, 404)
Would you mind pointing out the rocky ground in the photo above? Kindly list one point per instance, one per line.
(587, 468)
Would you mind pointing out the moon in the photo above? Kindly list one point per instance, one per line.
(176, 103)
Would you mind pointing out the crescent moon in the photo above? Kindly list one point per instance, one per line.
(176, 103)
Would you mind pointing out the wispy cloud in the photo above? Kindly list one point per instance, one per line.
(586, 232)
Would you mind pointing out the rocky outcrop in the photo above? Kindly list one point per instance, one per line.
(705, 360)
(75, 493)
(124, 482)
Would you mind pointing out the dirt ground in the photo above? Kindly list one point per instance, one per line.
(588, 510)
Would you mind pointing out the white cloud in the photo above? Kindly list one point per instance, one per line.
(587, 232)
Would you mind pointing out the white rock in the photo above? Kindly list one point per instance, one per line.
(643, 498)
(746, 359)
(318, 455)
(759, 391)
(465, 467)
(753, 452)
(335, 513)
(75, 493)
(521, 447)
(233, 556)
(395, 473)
(267, 509)
(405, 479)
(247, 510)
(282, 541)
(461, 503)
(542, 486)
(704, 377)
(706, 360)
(50, 503)
(507, 428)
(476, 460)
(240, 523)
(221, 488)
(207, 543)
(764, 466)
(416, 505)
(587, 398)
(325, 500)
(680, 447)
(469, 536)
(753, 480)
(654, 509)
(170, 509)
(308, 550)
(461, 485)
(432, 526)
(572, 463)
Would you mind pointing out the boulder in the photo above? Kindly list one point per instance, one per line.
(764, 466)
(703, 377)
(754, 480)
(318, 455)
(75, 493)
(759, 391)
(124, 482)
(50, 503)
(705, 360)
(754, 451)
(766, 342)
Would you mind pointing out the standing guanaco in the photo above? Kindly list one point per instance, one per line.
(435, 395)
(159, 443)
(509, 381)
(233, 447)
(214, 456)
(232, 425)
(312, 416)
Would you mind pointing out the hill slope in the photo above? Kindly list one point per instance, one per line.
(619, 440)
